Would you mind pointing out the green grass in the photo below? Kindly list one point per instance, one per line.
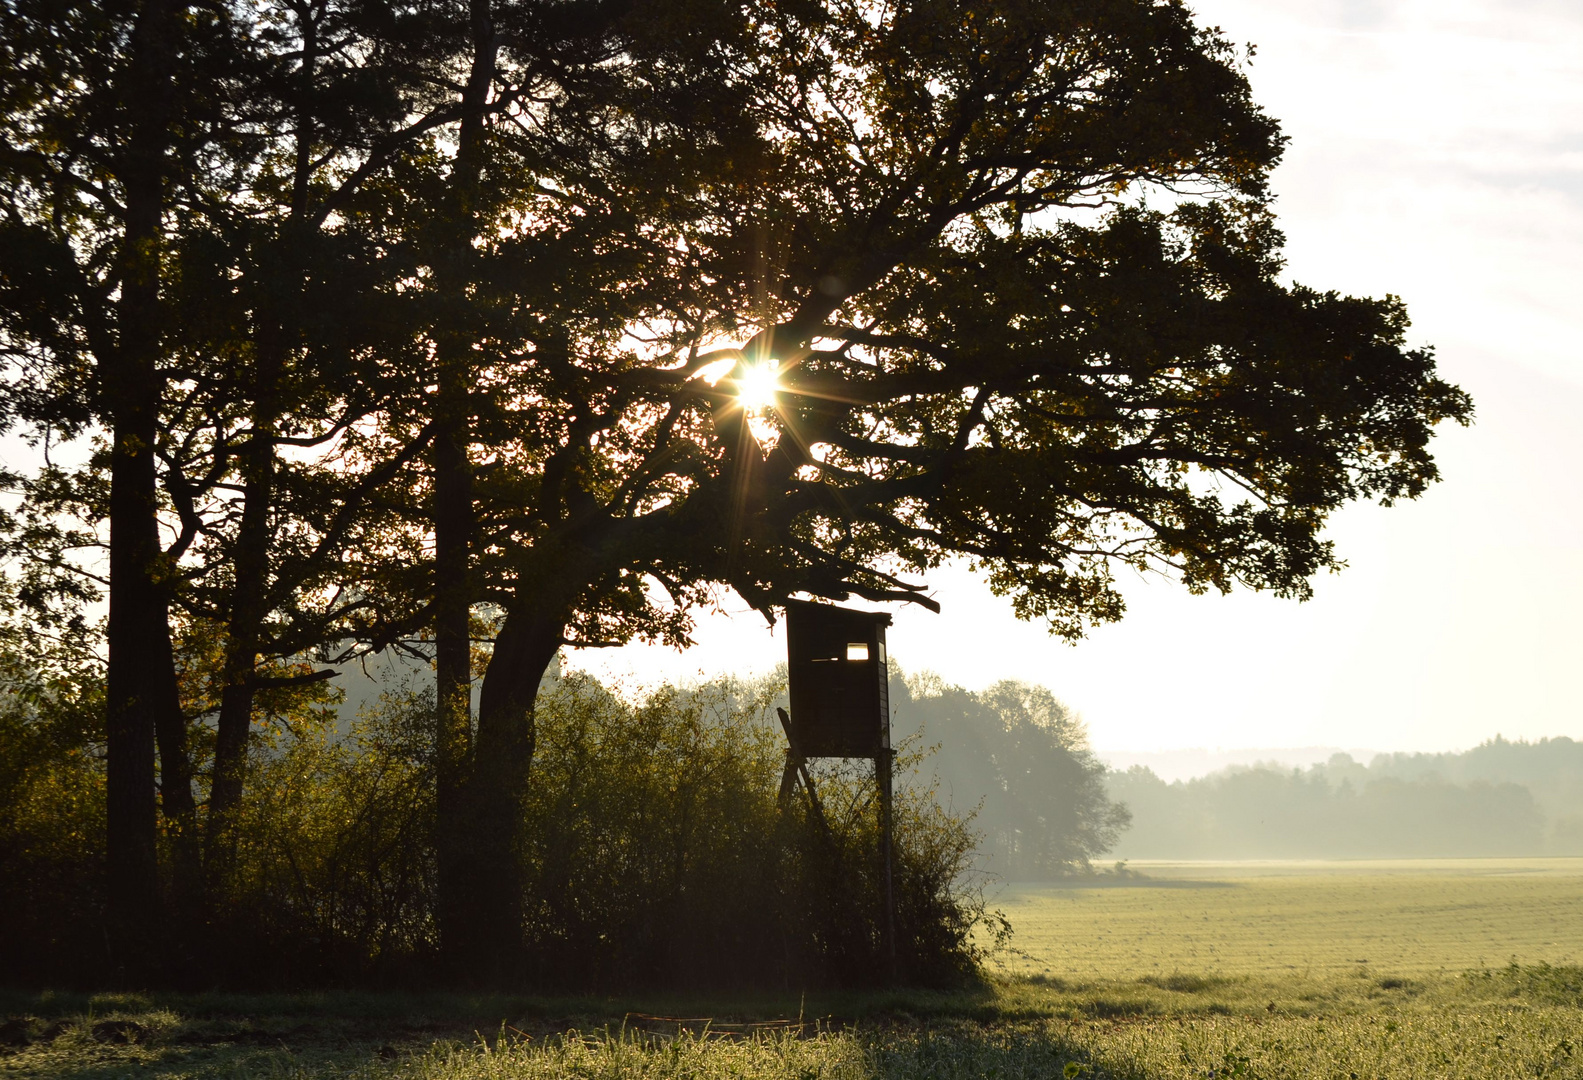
(1476, 1039)
(1316, 919)
(1105, 984)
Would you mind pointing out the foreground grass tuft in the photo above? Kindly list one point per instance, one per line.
(1516, 1021)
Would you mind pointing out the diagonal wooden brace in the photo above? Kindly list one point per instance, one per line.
(797, 767)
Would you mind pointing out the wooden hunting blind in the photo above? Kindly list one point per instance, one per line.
(840, 707)
(840, 693)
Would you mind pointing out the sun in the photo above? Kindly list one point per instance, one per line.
(757, 386)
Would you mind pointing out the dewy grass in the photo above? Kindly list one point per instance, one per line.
(1474, 1041)
(1248, 1011)
(1401, 919)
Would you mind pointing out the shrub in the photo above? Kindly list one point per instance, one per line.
(51, 821)
(333, 879)
(660, 856)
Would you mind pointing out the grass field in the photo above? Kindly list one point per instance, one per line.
(1197, 971)
(1312, 918)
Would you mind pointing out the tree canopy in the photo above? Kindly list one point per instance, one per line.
(495, 327)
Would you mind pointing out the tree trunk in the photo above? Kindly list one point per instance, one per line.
(135, 650)
(524, 649)
(248, 609)
(453, 674)
(250, 604)
(459, 872)
(141, 692)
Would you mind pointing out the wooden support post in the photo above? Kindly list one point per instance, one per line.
(788, 779)
(797, 765)
(883, 768)
(838, 677)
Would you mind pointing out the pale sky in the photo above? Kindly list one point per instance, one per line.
(1437, 153)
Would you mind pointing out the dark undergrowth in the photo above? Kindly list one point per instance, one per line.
(656, 853)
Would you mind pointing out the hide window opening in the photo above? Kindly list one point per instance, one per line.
(857, 650)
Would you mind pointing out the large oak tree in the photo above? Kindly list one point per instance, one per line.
(1013, 271)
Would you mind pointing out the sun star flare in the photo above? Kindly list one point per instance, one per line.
(757, 386)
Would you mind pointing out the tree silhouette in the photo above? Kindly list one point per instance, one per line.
(938, 228)
(595, 309)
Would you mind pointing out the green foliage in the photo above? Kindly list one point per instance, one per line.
(657, 853)
(650, 845)
(52, 805)
(333, 876)
(1043, 811)
(1551, 985)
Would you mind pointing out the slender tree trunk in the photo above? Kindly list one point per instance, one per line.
(248, 609)
(460, 874)
(141, 693)
(250, 596)
(135, 650)
(453, 675)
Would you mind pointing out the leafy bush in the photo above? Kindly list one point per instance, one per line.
(333, 878)
(658, 854)
(51, 820)
(1550, 985)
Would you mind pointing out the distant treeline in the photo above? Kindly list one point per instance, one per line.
(1022, 759)
(1046, 807)
(1500, 798)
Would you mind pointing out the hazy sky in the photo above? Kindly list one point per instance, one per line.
(1437, 153)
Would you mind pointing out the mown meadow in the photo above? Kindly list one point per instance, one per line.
(1069, 998)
